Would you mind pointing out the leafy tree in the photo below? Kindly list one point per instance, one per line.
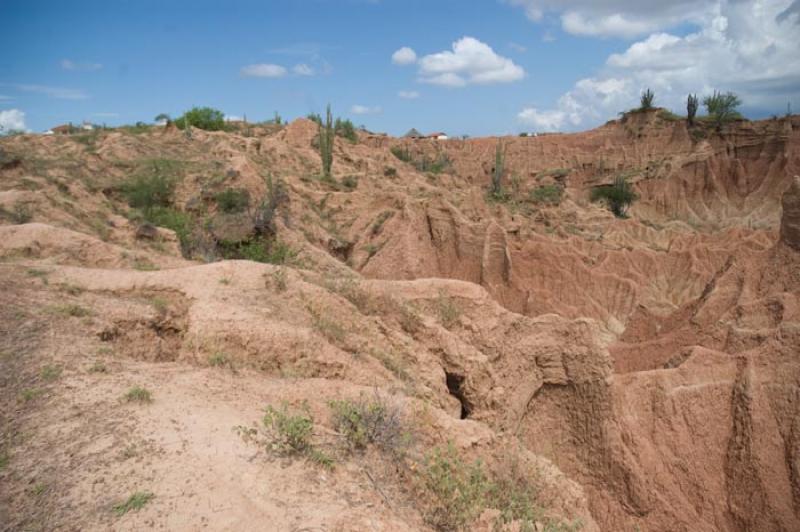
(619, 196)
(163, 117)
(691, 107)
(202, 118)
(647, 99)
(722, 107)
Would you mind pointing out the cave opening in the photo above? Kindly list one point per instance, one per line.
(455, 385)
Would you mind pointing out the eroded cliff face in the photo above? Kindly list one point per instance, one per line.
(650, 366)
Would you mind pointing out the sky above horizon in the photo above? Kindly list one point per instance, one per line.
(476, 67)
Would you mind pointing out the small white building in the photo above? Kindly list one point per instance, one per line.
(438, 136)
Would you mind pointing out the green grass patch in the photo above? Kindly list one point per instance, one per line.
(135, 502)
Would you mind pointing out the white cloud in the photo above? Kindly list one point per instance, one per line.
(619, 18)
(12, 120)
(748, 47)
(364, 110)
(551, 120)
(470, 62)
(408, 95)
(404, 56)
(303, 69)
(517, 47)
(67, 64)
(263, 70)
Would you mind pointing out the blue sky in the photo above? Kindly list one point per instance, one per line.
(526, 65)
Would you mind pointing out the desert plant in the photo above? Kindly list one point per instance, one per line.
(496, 190)
(138, 394)
(345, 128)
(50, 373)
(291, 432)
(264, 215)
(202, 118)
(233, 200)
(369, 421)
(21, 213)
(692, 104)
(134, 502)
(722, 107)
(402, 153)
(646, 100)
(326, 142)
(619, 196)
(547, 194)
(458, 491)
(449, 312)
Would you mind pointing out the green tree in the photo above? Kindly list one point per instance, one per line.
(721, 107)
(202, 118)
(163, 116)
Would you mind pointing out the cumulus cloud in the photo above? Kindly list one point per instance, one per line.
(364, 110)
(748, 47)
(263, 70)
(68, 64)
(551, 120)
(408, 95)
(619, 18)
(303, 69)
(470, 62)
(404, 56)
(12, 120)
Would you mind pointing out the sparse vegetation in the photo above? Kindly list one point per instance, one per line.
(496, 190)
(71, 309)
(325, 138)
(345, 128)
(98, 367)
(448, 311)
(369, 421)
(50, 373)
(618, 197)
(138, 394)
(291, 432)
(135, 502)
(21, 213)
(233, 200)
(721, 107)
(350, 182)
(547, 194)
(219, 360)
(279, 279)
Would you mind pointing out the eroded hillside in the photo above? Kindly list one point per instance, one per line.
(610, 374)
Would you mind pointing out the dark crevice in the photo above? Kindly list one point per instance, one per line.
(455, 385)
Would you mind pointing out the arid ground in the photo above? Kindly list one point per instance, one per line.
(403, 350)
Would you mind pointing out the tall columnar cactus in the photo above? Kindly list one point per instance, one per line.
(326, 139)
(499, 169)
(647, 100)
(692, 103)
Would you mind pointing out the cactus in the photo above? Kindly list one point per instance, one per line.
(692, 103)
(499, 169)
(647, 100)
(326, 139)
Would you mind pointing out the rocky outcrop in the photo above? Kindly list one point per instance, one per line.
(790, 219)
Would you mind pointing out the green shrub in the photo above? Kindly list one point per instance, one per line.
(291, 432)
(202, 118)
(346, 129)
(258, 249)
(722, 107)
(138, 394)
(171, 218)
(350, 182)
(459, 492)
(148, 191)
(364, 422)
(618, 196)
(233, 200)
(135, 502)
(547, 194)
(401, 152)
